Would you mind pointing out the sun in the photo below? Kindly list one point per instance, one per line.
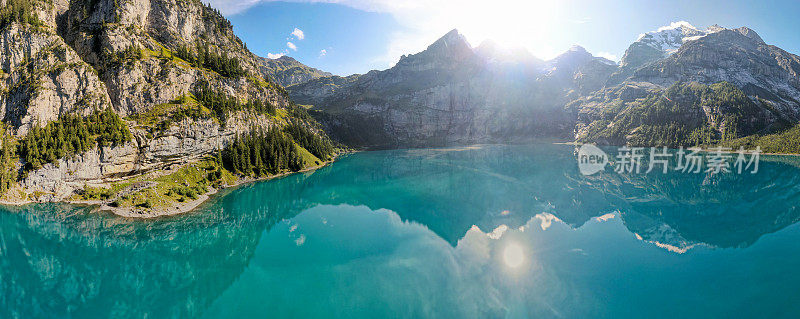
(509, 23)
(513, 255)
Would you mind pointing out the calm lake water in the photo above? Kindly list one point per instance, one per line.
(487, 232)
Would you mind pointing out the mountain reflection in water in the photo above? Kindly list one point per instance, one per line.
(422, 233)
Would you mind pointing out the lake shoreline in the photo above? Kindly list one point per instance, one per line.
(189, 206)
(176, 209)
(186, 207)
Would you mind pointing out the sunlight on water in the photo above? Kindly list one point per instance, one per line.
(425, 234)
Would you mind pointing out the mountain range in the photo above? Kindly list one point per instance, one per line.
(106, 101)
(452, 93)
(675, 86)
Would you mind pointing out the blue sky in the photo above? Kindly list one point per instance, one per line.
(360, 35)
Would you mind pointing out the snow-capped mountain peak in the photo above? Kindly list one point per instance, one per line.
(714, 28)
(668, 39)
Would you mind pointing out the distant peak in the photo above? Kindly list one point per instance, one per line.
(286, 58)
(680, 28)
(451, 39)
(574, 51)
(745, 31)
(678, 25)
(577, 48)
(452, 33)
(668, 39)
(715, 28)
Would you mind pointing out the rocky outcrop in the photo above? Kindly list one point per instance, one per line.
(130, 56)
(180, 144)
(159, 28)
(655, 45)
(42, 79)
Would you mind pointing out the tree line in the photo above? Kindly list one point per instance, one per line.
(262, 153)
(71, 135)
(318, 145)
(202, 57)
(214, 16)
(223, 105)
(8, 174)
(20, 11)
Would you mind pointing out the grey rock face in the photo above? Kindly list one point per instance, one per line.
(737, 56)
(316, 90)
(453, 94)
(655, 45)
(76, 63)
(182, 143)
(764, 79)
(43, 79)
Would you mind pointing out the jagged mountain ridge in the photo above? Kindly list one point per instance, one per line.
(655, 45)
(452, 93)
(735, 85)
(515, 84)
(738, 56)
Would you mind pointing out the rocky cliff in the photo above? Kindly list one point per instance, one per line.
(721, 85)
(452, 93)
(656, 45)
(678, 85)
(145, 60)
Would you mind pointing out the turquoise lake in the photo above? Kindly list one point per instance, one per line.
(479, 232)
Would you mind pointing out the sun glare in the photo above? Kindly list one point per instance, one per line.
(509, 23)
(513, 255)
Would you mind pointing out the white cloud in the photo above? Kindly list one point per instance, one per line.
(297, 33)
(607, 55)
(675, 25)
(323, 52)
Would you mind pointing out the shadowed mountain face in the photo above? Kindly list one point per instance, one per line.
(454, 94)
(665, 91)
